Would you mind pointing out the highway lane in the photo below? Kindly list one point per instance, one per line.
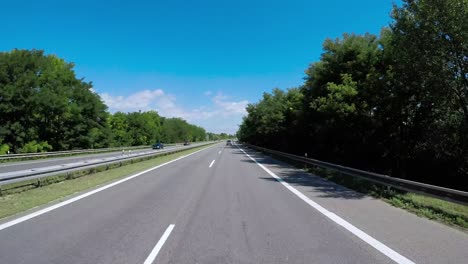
(33, 164)
(420, 239)
(223, 208)
(240, 218)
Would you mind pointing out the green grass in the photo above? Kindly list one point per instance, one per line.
(58, 189)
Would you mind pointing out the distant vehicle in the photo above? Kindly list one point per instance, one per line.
(158, 145)
(186, 143)
(229, 142)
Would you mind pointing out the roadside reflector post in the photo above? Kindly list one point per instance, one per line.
(305, 155)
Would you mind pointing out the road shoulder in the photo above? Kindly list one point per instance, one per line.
(422, 240)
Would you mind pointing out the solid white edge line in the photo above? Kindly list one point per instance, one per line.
(154, 253)
(79, 197)
(395, 256)
(211, 164)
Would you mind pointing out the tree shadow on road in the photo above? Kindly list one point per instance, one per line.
(299, 177)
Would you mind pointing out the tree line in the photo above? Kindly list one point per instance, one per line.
(395, 104)
(44, 107)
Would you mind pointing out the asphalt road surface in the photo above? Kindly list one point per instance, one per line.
(40, 163)
(221, 205)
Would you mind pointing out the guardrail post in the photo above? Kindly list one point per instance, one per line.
(305, 155)
(389, 189)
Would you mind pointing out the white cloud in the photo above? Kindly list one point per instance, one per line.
(230, 107)
(223, 115)
(141, 100)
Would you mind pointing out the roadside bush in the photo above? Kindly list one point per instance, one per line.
(4, 148)
(33, 147)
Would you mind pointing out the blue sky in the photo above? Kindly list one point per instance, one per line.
(200, 60)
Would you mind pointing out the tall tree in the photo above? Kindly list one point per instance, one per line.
(340, 98)
(429, 48)
(42, 100)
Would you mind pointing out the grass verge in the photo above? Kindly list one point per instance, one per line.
(452, 214)
(17, 202)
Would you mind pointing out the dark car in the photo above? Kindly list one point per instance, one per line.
(158, 145)
(186, 143)
(229, 142)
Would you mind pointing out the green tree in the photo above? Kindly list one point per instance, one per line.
(178, 130)
(4, 148)
(33, 146)
(118, 123)
(143, 128)
(42, 100)
(395, 104)
(429, 49)
(342, 93)
(273, 120)
(340, 98)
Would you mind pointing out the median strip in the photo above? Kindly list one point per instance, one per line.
(17, 202)
(20, 175)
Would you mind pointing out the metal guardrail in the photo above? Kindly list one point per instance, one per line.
(13, 177)
(67, 152)
(443, 193)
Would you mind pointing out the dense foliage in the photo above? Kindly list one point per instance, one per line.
(143, 128)
(394, 104)
(42, 102)
(43, 107)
